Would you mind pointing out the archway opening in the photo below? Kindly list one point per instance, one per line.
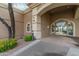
(63, 27)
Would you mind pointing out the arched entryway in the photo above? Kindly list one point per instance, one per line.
(63, 27)
(59, 21)
(43, 17)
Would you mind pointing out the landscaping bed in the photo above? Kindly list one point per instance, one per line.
(7, 44)
(28, 38)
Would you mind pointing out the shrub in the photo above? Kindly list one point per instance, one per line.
(28, 37)
(7, 44)
(2, 46)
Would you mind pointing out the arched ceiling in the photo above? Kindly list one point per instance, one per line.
(63, 8)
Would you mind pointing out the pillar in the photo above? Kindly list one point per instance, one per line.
(36, 24)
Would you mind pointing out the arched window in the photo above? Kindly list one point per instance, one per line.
(63, 27)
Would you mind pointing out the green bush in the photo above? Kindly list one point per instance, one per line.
(7, 44)
(28, 37)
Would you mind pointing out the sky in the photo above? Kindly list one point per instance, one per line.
(20, 6)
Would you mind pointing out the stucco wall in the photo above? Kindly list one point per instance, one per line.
(65, 14)
(76, 20)
(76, 27)
(19, 21)
(45, 22)
(48, 19)
(27, 19)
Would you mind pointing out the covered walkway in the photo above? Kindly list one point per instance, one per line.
(62, 40)
(50, 46)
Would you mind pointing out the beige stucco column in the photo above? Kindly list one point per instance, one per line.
(36, 24)
(77, 22)
(77, 13)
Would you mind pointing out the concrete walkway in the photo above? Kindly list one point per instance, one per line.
(61, 40)
(50, 46)
(57, 44)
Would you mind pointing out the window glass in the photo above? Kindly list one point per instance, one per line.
(63, 27)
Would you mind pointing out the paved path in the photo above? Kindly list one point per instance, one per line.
(49, 44)
(61, 40)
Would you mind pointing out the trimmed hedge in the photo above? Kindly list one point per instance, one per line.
(7, 44)
(28, 37)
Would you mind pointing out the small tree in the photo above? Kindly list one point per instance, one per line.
(11, 29)
(12, 19)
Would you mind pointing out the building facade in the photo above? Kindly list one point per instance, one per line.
(44, 20)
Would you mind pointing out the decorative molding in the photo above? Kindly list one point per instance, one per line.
(27, 11)
(33, 5)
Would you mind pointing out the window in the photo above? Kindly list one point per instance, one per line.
(28, 27)
(63, 27)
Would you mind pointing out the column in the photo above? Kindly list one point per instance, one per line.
(36, 24)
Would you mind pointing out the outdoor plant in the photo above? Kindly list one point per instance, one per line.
(28, 37)
(7, 44)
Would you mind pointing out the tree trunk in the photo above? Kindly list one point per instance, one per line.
(12, 19)
(7, 26)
